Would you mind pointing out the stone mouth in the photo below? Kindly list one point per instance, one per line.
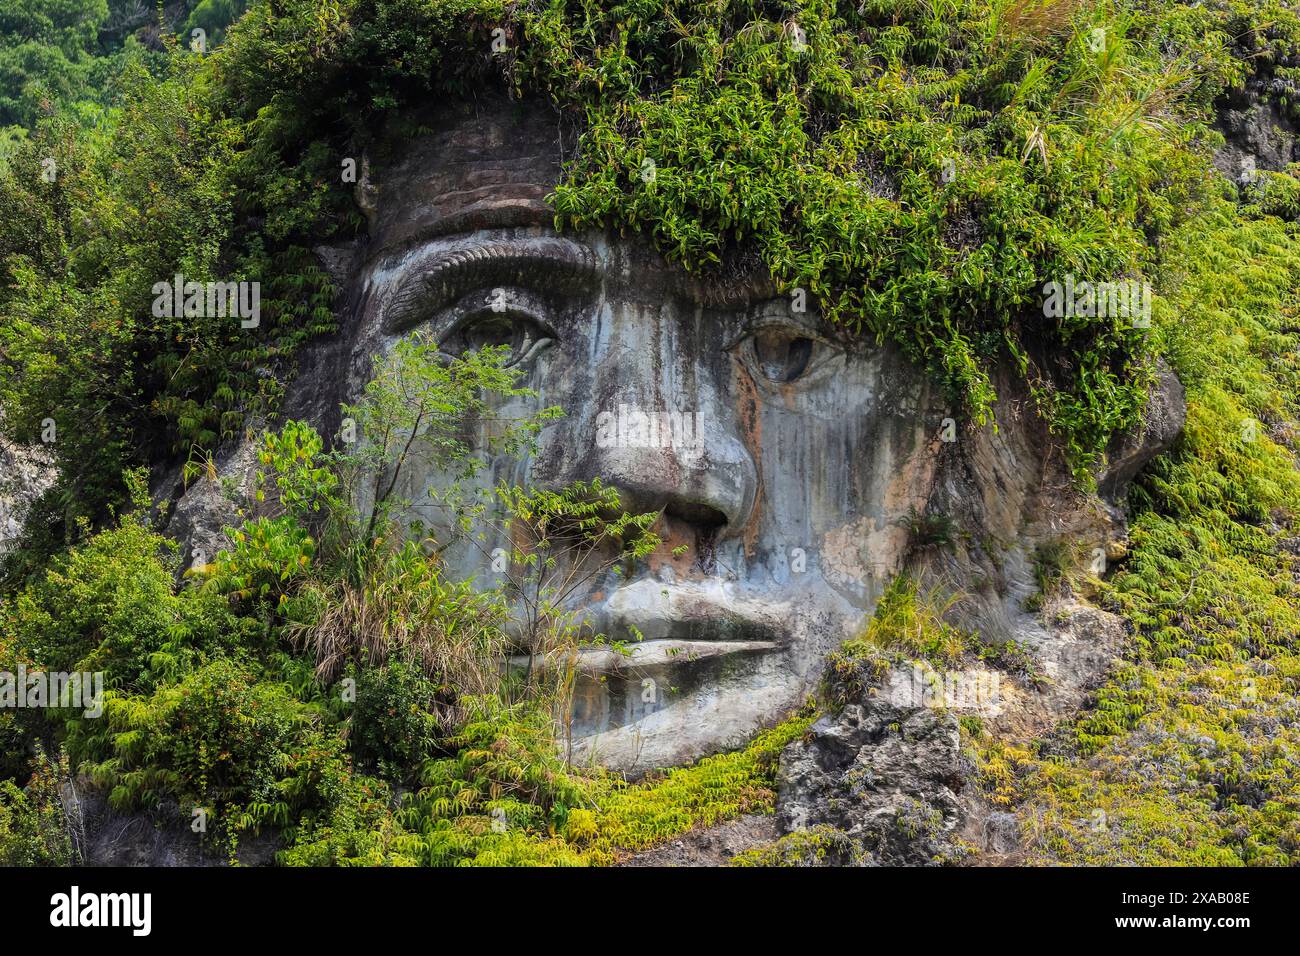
(724, 627)
(627, 658)
(635, 658)
(647, 624)
(691, 612)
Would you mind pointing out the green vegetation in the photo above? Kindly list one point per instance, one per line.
(69, 53)
(921, 168)
(816, 846)
(506, 799)
(1188, 755)
(33, 827)
(297, 680)
(927, 530)
(46, 54)
(911, 623)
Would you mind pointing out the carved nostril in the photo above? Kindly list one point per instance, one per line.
(706, 522)
(708, 489)
(700, 515)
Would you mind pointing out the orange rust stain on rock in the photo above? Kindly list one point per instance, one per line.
(673, 534)
(520, 540)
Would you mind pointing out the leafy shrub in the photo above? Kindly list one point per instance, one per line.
(394, 722)
(110, 605)
(1276, 194)
(405, 609)
(45, 54)
(34, 829)
(269, 557)
(150, 194)
(14, 760)
(361, 830)
(293, 460)
(245, 751)
(909, 623)
(929, 530)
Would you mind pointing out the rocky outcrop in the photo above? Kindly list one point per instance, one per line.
(25, 473)
(887, 776)
(1258, 130)
(1257, 118)
(1163, 418)
(202, 510)
(162, 837)
(887, 768)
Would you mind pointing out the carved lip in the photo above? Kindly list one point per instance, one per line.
(603, 659)
(657, 624)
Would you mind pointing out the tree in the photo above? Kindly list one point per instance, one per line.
(47, 49)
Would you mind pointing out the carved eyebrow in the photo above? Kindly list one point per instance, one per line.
(551, 264)
(729, 292)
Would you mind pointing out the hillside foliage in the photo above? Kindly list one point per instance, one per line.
(920, 167)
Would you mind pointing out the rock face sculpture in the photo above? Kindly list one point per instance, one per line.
(789, 458)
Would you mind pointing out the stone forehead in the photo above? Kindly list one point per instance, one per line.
(464, 166)
(490, 163)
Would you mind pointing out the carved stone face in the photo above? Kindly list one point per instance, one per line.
(782, 454)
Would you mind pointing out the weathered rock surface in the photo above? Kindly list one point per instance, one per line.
(888, 776)
(1258, 131)
(712, 846)
(1163, 419)
(25, 474)
(202, 510)
(782, 503)
(104, 837)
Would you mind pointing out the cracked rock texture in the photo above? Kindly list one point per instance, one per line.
(889, 777)
(1259, 133)
(25, 474)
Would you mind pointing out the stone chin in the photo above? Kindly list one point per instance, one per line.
(782, 454)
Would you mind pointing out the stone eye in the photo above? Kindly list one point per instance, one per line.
(493, 332)
(520, 334)
(782, 356)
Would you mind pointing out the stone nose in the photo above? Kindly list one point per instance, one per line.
(660, 425)
(688, 463)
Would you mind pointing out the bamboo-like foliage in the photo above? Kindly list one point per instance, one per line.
(406, 609)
